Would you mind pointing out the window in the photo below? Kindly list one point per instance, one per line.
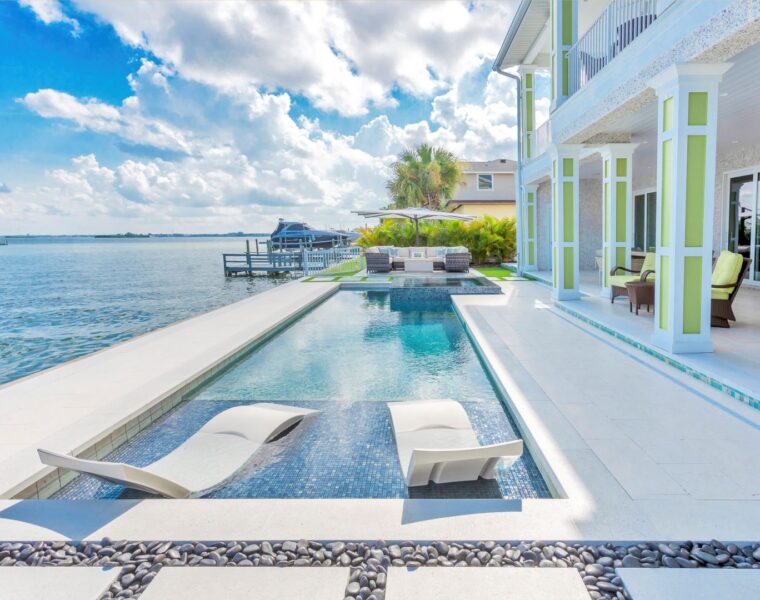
(485, 181)
(644, 221)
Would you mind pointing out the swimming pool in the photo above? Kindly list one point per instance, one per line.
(346, 358)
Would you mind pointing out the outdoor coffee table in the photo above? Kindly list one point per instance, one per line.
(640, 292)
(418, 265)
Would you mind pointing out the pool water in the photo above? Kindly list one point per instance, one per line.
(450, 282)
(346, 358)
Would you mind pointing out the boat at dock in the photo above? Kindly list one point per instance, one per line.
(296, 234)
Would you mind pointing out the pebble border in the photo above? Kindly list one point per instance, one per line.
(369, 561)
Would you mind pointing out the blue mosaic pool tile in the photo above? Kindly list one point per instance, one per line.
(345, 451)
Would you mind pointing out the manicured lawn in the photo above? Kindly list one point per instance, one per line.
(490, 271)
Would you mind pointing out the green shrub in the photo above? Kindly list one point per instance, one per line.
(488, 239)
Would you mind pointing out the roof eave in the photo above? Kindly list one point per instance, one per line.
(522, 9)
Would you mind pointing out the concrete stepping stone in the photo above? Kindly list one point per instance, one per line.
(691, 584)
(452, 583)
(55, 583)
(245, 583)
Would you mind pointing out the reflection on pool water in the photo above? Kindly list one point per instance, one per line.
(346, 358)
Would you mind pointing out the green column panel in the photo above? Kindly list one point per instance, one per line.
(606, 212)
(620, 256)
(555, 268)
(565, 74)
(531, 253)
(697, 108)
(567, 254)
(529, 110)
(620, 212)
(621, 167)
(606, 266)
(696, 154)
(692, 294)
(666, 192)
(663, 302)
(531, 212)
(567, 22)
(555, 209)
(567, 167)
(567, 212)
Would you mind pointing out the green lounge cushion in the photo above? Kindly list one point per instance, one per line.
(625, 277)
(621, 280)
(727, 269)
(649, 262)
(719, 294)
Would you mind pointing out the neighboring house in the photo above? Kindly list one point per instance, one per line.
(652, 143)
(487, 188)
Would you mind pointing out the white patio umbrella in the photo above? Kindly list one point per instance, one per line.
(416, 215)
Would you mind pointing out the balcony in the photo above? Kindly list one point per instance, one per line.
(543, 138)
(613, 31)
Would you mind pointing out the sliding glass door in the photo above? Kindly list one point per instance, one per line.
(743, 220)
(644, 221)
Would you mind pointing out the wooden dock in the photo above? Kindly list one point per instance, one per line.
(249, 263)
(302, 260)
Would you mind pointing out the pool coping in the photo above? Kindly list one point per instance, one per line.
(512, 395)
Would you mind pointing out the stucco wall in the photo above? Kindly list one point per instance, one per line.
(498, 210)
(590, 222)
(544, 226)
(503, 187)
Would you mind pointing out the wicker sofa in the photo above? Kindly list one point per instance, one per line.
(383, 259)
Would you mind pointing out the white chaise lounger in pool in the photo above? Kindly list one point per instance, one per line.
(207, 458)
(436, 442)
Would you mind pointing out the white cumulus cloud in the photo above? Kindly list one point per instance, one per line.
(50, 11)
(212, 139)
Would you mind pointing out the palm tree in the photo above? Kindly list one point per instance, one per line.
(424, 177)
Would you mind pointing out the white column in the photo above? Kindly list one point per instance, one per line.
(565, 216)
(528, 103)
(530, 249)
(617, 207)
(563, 34)
(687, 98)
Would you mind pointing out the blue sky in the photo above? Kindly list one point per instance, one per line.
(177, 116)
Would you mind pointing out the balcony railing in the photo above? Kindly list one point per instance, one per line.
(543, 138)
(619, 25)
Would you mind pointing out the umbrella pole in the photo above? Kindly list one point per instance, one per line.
(417, 232)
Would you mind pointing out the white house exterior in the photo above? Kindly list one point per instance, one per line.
(652, 143)
(487, 188)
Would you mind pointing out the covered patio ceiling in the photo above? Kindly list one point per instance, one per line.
(738, 122)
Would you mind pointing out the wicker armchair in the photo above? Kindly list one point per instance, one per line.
(456, 262)
(723, 294)
(617, 282)
(378, 262)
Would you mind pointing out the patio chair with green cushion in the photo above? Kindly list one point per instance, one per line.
(617, 282)
(728, 274)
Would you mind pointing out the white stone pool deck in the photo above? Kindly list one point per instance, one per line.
(637, 450)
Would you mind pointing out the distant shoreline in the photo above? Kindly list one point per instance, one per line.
(137, 236)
